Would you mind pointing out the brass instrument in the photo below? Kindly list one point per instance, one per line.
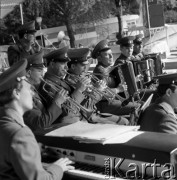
(108, 93)
(53, 47)
(70, 103)
(90, 91)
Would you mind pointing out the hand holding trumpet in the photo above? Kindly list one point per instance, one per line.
(61, 97)
(100, 85)
(83, 83)
(36, 46)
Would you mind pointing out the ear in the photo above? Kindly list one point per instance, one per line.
(72, 66)
(52, 64)
(99, 57)
(168, 92)
(16, 94)
(25, 36)
(28, 73)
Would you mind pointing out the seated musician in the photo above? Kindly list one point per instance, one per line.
(20, 156)
(41, 116)
(103, 71)
(145, 68)
(26, 45)
(160, 116)
(78, 67)
(138, 47)
(126, 48)
(54, 81)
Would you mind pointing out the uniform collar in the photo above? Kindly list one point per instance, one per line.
(56, 80)
(13, 114)
(168, 108)
(122, 57)
(52, 77)
(99, 63)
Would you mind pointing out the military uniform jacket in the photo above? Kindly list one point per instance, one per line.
(20, 157)
(67, 116)
(104, 73)
(159, 117)
(41, 116)
(17, 53)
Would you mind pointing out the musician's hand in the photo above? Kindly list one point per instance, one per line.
(65, 164)
(139, 77)
(101, 85)
(122, 88)
(83, 84)
(61, 97)
(36, 46)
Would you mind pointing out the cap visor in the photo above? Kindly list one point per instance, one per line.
(85, 62)
(127, 45)
(105, 49)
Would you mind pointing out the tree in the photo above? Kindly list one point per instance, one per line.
(124, 7)
(118, 14)
(72, 12)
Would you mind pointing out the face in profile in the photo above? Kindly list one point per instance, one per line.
(26, 96)
(31, 38)
(60, 68)
(79, 68)
(35, 75)
(173, 98)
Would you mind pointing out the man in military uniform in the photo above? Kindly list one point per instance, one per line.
(19, 151)
(26, 45)
(126, 47)
(41, 116)
(54, 81)
(95, 92)
(160, 116)
(104, 71)
(138, 47)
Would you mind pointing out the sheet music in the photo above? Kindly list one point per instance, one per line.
(94, 133)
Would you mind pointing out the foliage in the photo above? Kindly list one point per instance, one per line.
(76, 12)
(170, 16)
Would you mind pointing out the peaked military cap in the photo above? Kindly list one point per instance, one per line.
(101, 46)
(36, 60)
(167, 79)
(79, 55)
(126, 41)
(14, 74)
(59, 55)
(138, 39)
(27, 27)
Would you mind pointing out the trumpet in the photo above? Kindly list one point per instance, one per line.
(71, 105)
(90, 91)
(107, 93)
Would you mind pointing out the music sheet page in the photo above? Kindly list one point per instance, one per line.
(93, 133)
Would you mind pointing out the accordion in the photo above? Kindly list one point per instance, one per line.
(157, 63)
(145, 68)
(127, 75)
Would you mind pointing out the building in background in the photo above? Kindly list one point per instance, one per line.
(6, 6)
